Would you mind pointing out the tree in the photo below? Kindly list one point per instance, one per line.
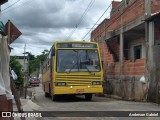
(45, 52)
(34, 64)
(30, 56)
(17, 67)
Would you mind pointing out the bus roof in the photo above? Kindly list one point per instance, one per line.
(75, 41)
(75, 44)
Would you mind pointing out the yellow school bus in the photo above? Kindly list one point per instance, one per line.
(73, 68)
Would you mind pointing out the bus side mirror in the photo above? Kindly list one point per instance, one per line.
(53, 52)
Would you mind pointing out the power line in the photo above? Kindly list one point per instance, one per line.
(11, 5)
(82, 18)
(89, 6)
(97, 21)
(22, 4)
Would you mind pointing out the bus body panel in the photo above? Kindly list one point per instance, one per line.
(46, 81)
(78, 90)
(76, 81)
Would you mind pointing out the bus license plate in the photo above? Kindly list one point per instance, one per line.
(80, 90)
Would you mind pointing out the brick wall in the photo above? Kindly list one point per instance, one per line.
(155, 6)
(115, 4)
(99, 32)
(112, 68)
(129, 82)
(114, 48)
(131, 12)
(134, 68)
(105, 54)
(128, 14)
(115, 7)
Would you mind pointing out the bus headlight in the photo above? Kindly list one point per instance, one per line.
(61, 84)
(96, 83)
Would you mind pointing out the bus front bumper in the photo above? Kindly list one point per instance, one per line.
(60, 90)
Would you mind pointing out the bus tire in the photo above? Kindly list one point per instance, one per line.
(88, 97)
(46, 94)
(53, 97)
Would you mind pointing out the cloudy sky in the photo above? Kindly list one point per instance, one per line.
(44, 21)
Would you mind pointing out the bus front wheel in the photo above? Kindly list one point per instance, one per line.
(88, 97)
(53, 97)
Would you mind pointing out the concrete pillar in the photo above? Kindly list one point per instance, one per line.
(151, 44)
(150, 76)
(121, 54)
(149, 38)
(147, 8)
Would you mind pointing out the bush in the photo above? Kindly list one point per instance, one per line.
(17, 67)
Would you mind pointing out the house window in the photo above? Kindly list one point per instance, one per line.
(137, 52)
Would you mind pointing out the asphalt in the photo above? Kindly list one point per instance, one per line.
(39, 103)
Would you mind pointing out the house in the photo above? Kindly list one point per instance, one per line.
(23, 60)
(129, 42)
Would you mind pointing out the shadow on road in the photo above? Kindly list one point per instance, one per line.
(71, 98)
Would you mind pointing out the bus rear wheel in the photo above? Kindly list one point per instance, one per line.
(88, 97)
(47, 94)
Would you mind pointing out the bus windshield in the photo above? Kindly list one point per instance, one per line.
(78, 61)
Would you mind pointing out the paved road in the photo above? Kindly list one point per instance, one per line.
(97, 104)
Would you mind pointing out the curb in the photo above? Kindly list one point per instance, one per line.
(113, 96)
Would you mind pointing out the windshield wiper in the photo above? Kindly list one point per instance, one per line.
(77, 63)
(72, 67)
(87, 68)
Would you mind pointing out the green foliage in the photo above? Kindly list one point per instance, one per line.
(17, 67)
(31, 57)
(34, 64)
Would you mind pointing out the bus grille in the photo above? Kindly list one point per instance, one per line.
(77, 80)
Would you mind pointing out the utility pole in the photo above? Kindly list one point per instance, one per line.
(27, 75)
(9, 32)
(24, 71)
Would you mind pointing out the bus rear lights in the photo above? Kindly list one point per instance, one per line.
(96, 83)
(71, 87)
(61, 84)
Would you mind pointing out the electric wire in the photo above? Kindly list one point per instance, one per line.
(96, 22)
(82, 18)
(20, 5)
(11, 5)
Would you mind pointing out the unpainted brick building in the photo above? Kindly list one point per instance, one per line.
(130, 45)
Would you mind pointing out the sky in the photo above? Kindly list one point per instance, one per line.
(44, 21)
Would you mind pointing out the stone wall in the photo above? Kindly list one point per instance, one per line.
(128, 88)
